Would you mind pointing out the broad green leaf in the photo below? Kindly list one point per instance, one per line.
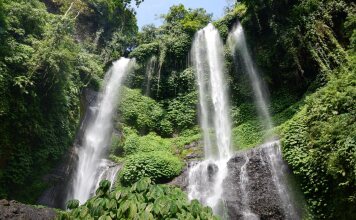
(117, 195)
(132, 210)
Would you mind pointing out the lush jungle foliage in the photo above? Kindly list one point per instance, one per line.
(43, 69)
(145, 145)
(140, 201)
(160, 166)
(50, 50)
(170, 44)
(320, 145)
(306, 50)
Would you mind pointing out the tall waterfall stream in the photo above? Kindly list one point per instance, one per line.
(91, 166)
(238, 46)
(206, 178)
(213, 181)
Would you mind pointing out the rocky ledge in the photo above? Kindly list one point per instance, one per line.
(13, 210)
(255, 187)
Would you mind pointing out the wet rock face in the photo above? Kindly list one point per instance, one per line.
(262, 195)
(250, 188)
(182, 181)
(195, 149)
(212, 170)
(12, 210)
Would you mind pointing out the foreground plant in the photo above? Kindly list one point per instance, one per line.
(142, 200)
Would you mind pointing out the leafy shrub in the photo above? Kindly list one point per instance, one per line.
(319, 144)
(282, 99)
(41, 75)
(132, 143)
(182, 83)
(186, 137)
(140, 201)
(160, 166)
(145, 114)
(140, 112)
(182, 111)
(73, 204)
(244, 112)
(116, 145)
(246, 135)
(151, 142)
(145, 51)
(287, 113)
(165, 127)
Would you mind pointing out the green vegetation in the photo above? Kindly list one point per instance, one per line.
(141, 112)
(43, 69)
(42, 73)
(140, 201)
(307, 34)
(312, 97)
(131, 143)
(150, 155)
(159, 166)
(151, 142)
(51, 50)
(247, 135)
(181, 111)
(147, 115)
(145, 153)
(170, 43)
(320, 145)
(156, 128)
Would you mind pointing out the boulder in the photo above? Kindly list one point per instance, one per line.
(12, 210)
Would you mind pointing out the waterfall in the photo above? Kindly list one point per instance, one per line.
(278, 169)
(238, 46)
(237, 43)
(246, 211)
(107, 171)
(97, 134)
(206, 177)
(151, 67)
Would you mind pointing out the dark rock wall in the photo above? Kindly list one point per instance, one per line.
(262, 194)
(263, 197)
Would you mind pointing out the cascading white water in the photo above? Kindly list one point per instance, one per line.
(151, 67)
(206, 178)
(98, 132)
(247, 214)
(278, 170)
(237, 43)
(107, 171)
(200, 62)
